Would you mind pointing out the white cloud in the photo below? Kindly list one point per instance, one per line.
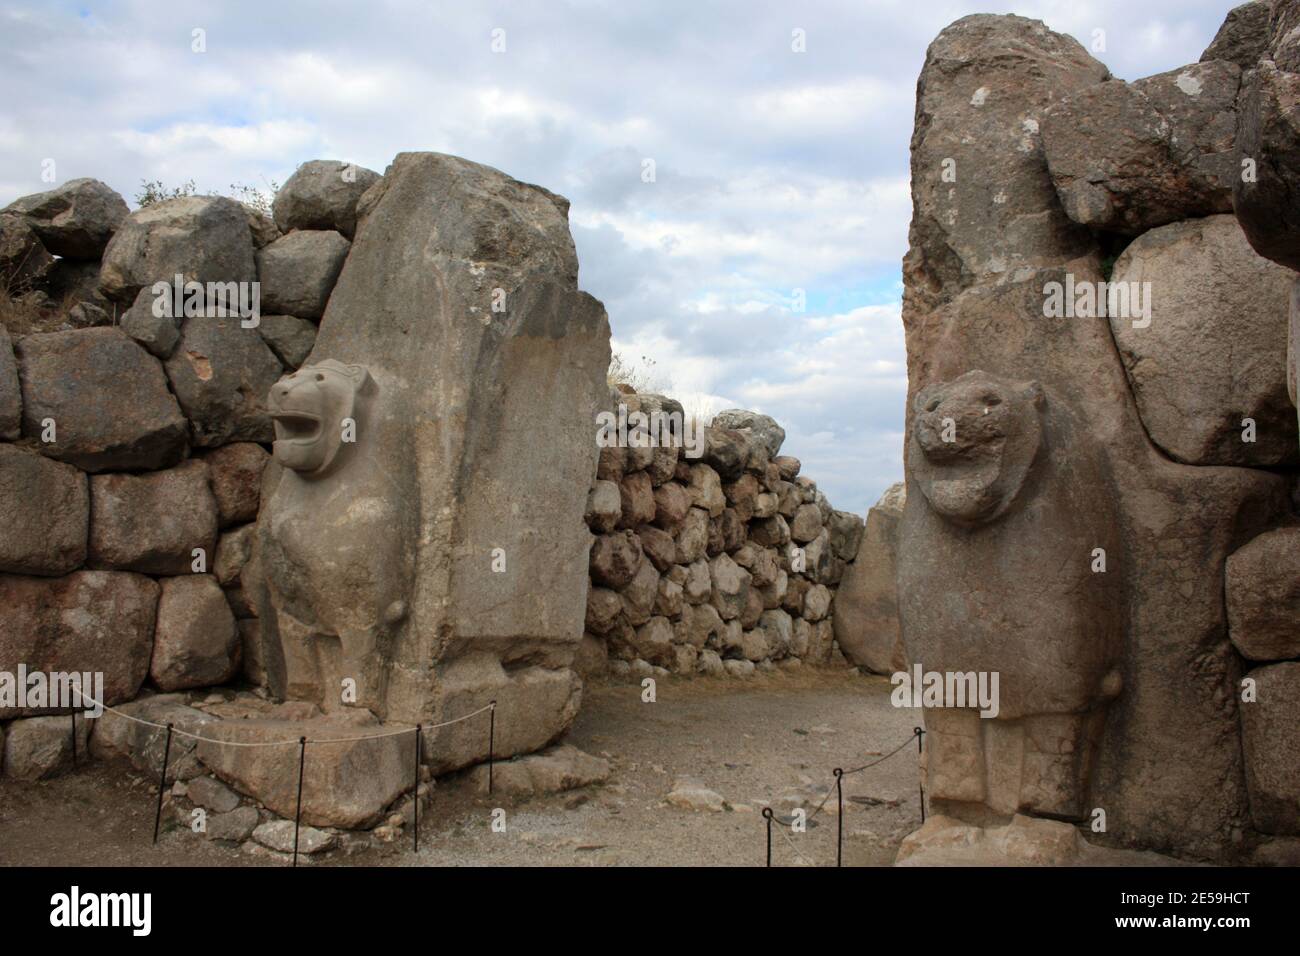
(775, 170)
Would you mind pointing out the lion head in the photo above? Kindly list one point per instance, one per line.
(310, 409)
(974, 440)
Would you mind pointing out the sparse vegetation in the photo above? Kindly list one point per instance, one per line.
(256, 198)
(641, 375)
(153, 191)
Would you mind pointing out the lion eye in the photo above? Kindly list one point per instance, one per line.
(320, 377)
(992, 400)
(932, 405)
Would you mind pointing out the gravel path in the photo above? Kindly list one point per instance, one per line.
(772, 740)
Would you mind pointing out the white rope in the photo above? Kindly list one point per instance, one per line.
(274, 743)
(787, 839)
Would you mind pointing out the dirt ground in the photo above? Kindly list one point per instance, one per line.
(779, 734)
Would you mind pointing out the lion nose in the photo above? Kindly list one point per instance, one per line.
(937, 436)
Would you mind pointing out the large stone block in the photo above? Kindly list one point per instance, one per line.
(203, 238)
(221, 373)
(45, 513)
(866, 603)
(88, 621)
(1262, 582)
(298, 271)
(139, 735)
(323, 194)
(152, 523)
(37, 748)
(11, 393)
(74, 220)
(981, 97)
(1127, 157)
(235, 475)
(106, 398)
(1272, 748)
(196, 643)
(348, 783)
(763, 428)
(24, 261)
(448, 531)
(534, 706)
(1214, 352)
(1268, 134)
(1243, 37)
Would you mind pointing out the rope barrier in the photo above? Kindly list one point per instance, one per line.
(279, 743)
(768, 814)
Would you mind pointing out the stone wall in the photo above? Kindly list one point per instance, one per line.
(180, 515)
(137, 436)
(719, 564)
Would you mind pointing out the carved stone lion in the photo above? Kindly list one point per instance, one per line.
(334, 543)
(999, 573)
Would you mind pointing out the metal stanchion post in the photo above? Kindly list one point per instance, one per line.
(297, 814)
(839, 837)
(767, 815)
(415, 793)
(492, 739)
(920, 786)
(162, 783)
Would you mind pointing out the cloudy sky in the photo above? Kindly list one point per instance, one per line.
(775, 170)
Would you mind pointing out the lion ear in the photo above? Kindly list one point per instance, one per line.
(360, 376)
(922, 397)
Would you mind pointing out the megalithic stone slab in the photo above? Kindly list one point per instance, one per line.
(866, 603)
(425, 542)
(1118, 681)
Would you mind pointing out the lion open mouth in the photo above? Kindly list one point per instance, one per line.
(296, 428)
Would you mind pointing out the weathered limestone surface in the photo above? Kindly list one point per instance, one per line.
(1214, 353)
(474, 432)
(980, 101)
(1272, 748)
(11, 395)
(346, 784)
(221, 372)
(1262, 584)
(1267, 203)
(1243, 37)
(1127, 157)
(866, 604)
